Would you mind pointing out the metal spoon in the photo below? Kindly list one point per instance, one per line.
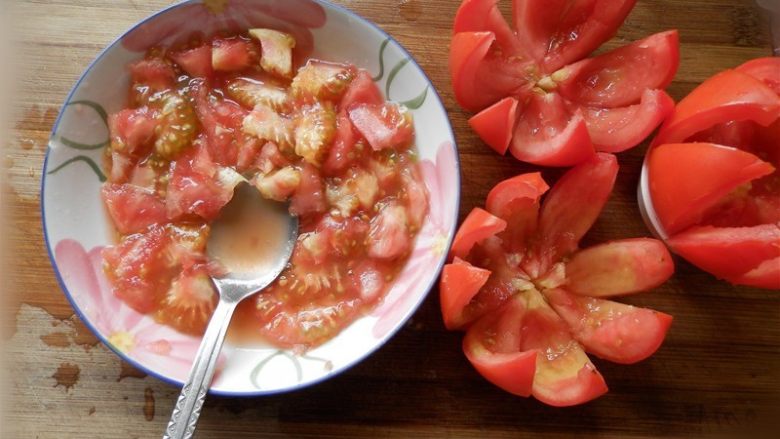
(253, 239)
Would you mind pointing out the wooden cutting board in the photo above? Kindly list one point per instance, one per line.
(718, 372)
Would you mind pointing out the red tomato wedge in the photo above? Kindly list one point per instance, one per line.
(687, 179)
(649, 64)
(766, 70)
(619, 267)
(550, 134)
(532, 76)
(496, 124)
(618, 129)
(479, 225)
(493, 346)
(516, 200)
(460, 281)
(519, 283)
(525, 187)
(727, 96)
(729, 252)
(570, 210)
(766, 275)
(613, 331)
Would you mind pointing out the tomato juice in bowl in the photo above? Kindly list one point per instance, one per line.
(78, 227)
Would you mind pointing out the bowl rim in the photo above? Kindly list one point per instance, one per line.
(645, 201)
(255, 393)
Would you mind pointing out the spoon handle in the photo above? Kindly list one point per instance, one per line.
(193, 394)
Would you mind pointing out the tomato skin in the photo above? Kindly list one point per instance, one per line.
(613, 331)
(728, 252)
(460, 282)
(687, 179)
(618, 129)
(728, 96)
(133, 208)
(495, 124)
(478, 226)
(764, 69)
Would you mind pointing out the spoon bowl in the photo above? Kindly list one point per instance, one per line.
(252, 239)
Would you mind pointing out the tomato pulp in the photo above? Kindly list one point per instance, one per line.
(713, 175)
(208, 116)
(539, 97)
(532, 303)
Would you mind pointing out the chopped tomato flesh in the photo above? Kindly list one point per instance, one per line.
(318, 136)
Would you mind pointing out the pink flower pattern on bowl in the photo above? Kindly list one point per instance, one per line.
(295, 17)
(135, 335)
(432, 241)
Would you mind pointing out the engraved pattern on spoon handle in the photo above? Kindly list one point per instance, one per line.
(187, 410)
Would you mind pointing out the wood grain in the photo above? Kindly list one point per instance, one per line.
(717, 374)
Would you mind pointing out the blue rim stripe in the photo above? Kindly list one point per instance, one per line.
(389, 335)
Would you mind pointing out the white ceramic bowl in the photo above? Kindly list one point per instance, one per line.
(645, 202)
(76, 226)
